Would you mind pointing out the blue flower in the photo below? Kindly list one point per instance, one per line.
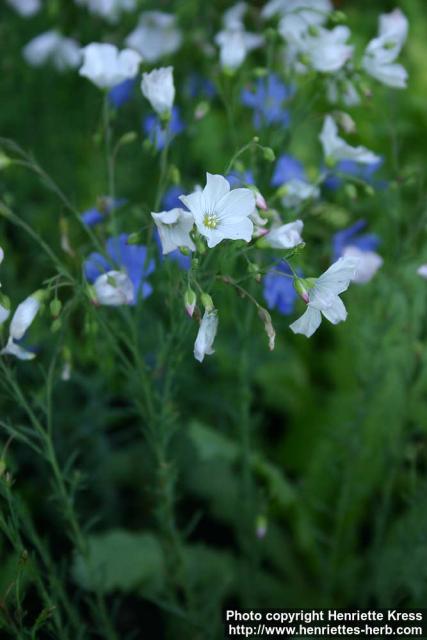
(365, 172)
(131, 258)
(171, 198)
(197, 86)
(352, 237)
(287, 168)
(279, 292)
(268, 101)
(157, 132)
(122, 93)
(104, 206)
(240, 178)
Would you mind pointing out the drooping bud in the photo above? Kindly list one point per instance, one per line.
(55, 307)
(134, 238)
(261, 527)
(190, 300)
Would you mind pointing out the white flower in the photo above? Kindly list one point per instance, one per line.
(24, 316)
(286, 236)
(220, 213)
(422, 271)
(297, 191)
(323, 297)
(21, 321)
(341, 89)
(312, 12)
(336, 149)
(63, 53)
(108, 9)
(235, 44)
(206, 335)
(155, 36)
(114, 289)
(106, 66)
(25, 8)
(157, 86)
(233, 17)
(381, 52)
(174, 229)
(324, 50)
(369, 263)
(14, 349)
(4, 313)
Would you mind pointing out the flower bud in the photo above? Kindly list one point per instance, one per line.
(201, 110)
(301, 287)
(207, 302)
(134, 238)
(190, 300)
(261, 527)
(268, 154)
(55, 307)
(127, 138)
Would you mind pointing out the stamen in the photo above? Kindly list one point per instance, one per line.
(210, 221)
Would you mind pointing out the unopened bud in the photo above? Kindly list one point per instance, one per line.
(300, 286)
(351, 191)
(190, 300)
(338, 17)
(261, 527)
(268, 154)
(174, 174)
(134, 238)
(207, 302)
(201, 110)
(55, 307)
(127, 138)
(185, 251)
(5, 161)
(56, 325)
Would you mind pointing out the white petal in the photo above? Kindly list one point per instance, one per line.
(114, 289)
(337, 278)
(308, 323)
(238, 203)
(206, 335)
(23, 317)
(335, 312)
(13, 349)
(216, 187)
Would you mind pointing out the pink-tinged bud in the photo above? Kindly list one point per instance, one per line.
(190, 300)
(260, 201)
(300, 287)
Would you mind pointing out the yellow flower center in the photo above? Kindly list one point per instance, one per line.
(210, 221)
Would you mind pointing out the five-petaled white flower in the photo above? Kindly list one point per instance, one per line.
(322, 49)
(323, 297)
(381, 52)
(155, 36)
(106, 66)
(285, 236)
(21, 321)
(114, 289)
(158, 87)
(336, 149)
(234, 41)
(54, 48)
(174, 229)
(206, 335)
(220, 213)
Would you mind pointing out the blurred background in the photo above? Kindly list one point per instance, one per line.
(334, 512)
